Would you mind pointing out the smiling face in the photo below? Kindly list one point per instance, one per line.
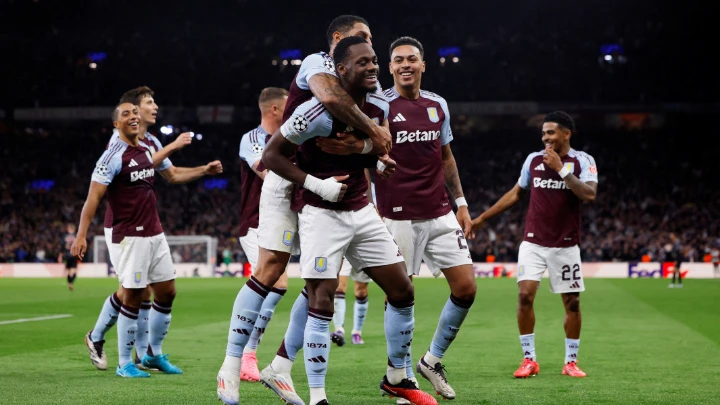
(407, 66)
(556, 137)
(360, 69)
(127, 120)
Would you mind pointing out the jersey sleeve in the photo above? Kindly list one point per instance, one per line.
(588, 169)
(107, 167)
(524, 180)
(166, 163)
(250, 152)
(312, 65)
(310, 120)
(446, 134)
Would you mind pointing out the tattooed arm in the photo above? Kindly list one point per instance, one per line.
(452, 181)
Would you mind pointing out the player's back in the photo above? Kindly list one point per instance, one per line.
(553, 218)
(419, 128)
(129, 174)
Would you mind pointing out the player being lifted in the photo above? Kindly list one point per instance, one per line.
(337, 220)
(278, 223)
(272, 104)
(414, 203)
(126, 172)
(143, 98)
(561, 180)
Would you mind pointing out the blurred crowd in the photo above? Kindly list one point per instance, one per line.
(652, 183)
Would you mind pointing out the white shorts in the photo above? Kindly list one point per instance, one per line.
(563, 264)
(143, 261)
(440, 241)
(278, 224)
(360, 276)
(249, 244)
(327, 235)
(113, 248)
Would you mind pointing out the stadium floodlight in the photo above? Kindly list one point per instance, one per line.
(93, 65)
(455, 59)
(274, 62)
(285, 62)
(198, 137)
(296, 62)
(166, 129)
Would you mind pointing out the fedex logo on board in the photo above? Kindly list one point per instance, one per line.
(651, 270)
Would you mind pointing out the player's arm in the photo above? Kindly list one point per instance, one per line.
(181, 175)
(503, 204)
(182, 140)
(327, 89)
(260, 174)
(251, 154)
(585, 187)
(97, 190)
(452, 181)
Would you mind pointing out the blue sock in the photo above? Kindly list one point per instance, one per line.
(295, 333)
(399, 327)
(451, 318)
(108, 317)
(359, 312)
(248, 303)
(339, 315)
(143, 330)
(409, 365)
(317, 346)
(263, 319)
(127, 330)
(159, 324)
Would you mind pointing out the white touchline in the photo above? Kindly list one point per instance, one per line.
(41, 318)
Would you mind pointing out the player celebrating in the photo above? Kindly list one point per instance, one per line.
(272, 104)
(126, 172)
(70, 261)
(415, 205)
(278, 223)
(357, 230)
(143, 97)
(561, 179)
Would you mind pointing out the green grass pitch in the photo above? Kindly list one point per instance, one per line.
(642, 343)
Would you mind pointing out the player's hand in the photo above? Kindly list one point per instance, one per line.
(388, 165)
(463, 217)
(213, 168)
(476, 224)
(78, 248)
(552, 159)
(182, 140)
(343, 188)
(382, 140)
(345, 144)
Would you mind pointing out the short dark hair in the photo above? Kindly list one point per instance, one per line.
(115, 111)
(407, 41)
(343, 24)
(136, 95)
(271, 93)
(342, 49)
(561, 118)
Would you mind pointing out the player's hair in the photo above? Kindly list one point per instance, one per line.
(269, 94)
(407, 41)
(115, 112)
(563, 119)
(136, 95)
(342, 49)
(343, 24)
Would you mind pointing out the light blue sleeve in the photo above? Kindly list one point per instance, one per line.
(446, 134)
(588, 169)
(524, 180)
(108, 166)
(166, 163)
(312, 65)
(310, 120)
(251, 152)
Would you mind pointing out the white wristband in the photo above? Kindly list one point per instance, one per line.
(564, 172)
(461, 202)
(328, 189)
(368, 146)
(380, 166)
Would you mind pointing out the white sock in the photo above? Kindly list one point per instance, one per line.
(432, 360)
(395, 375)
(528, 346)
(281, 365)
(572, 346)
(317, 395)
(232, 364)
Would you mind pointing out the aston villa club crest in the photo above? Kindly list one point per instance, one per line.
(433, 114)
(288, 238)
(320, 264)
(570, 166)
(138, 277)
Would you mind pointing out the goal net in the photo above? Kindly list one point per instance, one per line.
(193, 255)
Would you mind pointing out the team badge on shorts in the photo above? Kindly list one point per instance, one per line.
(138, 277)
(288, 238)
(320, 264)
(521, 271)
(433, 114)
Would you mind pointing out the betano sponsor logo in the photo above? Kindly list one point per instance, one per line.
(141, 174)
(417, 136)
(551, 184)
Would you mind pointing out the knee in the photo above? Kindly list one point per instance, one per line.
(572, 303)
(525, 299)
(147, 294)
(404, 293)
(268, 271)
(166, 297)
(466, 292)
(361, 290)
